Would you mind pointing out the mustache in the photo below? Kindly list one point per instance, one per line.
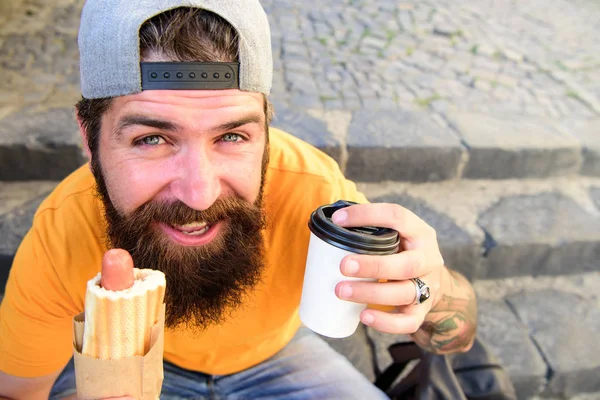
(178, 213)
(139, 224)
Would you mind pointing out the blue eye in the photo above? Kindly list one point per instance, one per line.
(152, 140)
(232, 137)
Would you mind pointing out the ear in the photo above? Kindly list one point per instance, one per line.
(84, 138)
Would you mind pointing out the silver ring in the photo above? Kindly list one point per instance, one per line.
(423, 292)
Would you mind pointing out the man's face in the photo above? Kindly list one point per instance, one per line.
(194, 146)
(180, 174)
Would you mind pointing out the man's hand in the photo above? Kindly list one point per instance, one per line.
(444, 323)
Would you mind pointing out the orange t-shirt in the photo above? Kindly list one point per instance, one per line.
(64, 248)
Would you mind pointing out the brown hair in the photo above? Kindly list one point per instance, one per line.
(180, 34)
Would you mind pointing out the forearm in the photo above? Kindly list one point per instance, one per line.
(17, 388)
(39, 395)
(451, 325)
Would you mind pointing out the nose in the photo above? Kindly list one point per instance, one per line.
(197, 183)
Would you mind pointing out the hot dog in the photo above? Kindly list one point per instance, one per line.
(122, 303)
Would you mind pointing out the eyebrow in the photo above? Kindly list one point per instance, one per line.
(133, 120)
(249, 119)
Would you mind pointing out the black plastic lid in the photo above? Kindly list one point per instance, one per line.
(362, 240)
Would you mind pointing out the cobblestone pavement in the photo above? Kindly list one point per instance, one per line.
(38, 55)
(539, 57)
(536, 57)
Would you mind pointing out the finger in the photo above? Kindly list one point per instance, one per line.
(396, 323)
(384, 215)
(117, 270)
(382, 293)
(415, 309)
(405, 265)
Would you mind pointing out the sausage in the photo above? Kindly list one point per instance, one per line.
(117, 270)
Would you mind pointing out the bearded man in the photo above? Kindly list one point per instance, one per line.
(187, 177)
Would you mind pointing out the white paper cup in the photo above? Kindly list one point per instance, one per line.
(320, 309)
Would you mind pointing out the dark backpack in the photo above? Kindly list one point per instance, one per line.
(473, 375)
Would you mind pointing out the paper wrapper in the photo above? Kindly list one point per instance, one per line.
(137, 376)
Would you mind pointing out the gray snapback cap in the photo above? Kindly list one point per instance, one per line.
(109, 43)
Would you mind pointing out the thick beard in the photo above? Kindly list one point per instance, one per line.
(205, 284)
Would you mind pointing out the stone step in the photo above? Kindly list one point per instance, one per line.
(400, 144)
(371, 145)
(39, 145)
(543, 330)
(486, 229)
(498, 229)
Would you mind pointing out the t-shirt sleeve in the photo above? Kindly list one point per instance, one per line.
(35, 315)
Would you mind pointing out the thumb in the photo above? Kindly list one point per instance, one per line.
(117, 270)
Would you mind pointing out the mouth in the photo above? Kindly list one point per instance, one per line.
(193, 229)
(193, 234)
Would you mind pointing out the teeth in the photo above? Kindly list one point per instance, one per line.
(192, 226)
(196, 233)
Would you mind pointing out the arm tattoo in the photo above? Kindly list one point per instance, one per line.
(450, 326)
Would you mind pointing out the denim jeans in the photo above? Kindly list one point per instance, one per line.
(307, 368)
